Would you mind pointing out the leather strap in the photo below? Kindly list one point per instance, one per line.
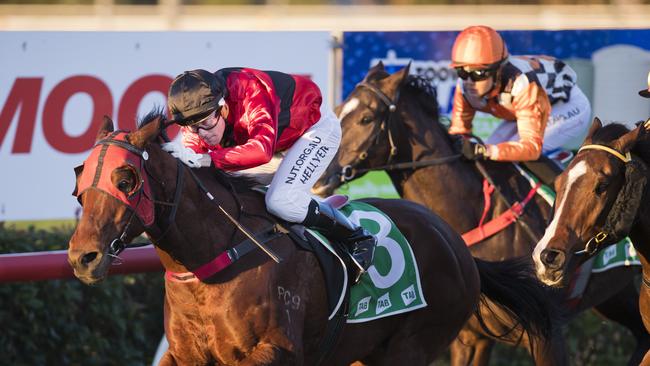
(504, 220)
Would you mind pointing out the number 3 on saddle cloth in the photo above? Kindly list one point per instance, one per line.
(392, 283)
(390, 286)
(620, 254)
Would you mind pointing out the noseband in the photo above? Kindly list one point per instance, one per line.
(621, 215)
(348, 172)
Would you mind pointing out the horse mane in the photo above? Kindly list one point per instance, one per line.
(609, 133)
(425, 93)
(236, 183)
(156, 112)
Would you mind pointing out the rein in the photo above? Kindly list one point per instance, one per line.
(622, 214)
(348, 172)
(142, 191)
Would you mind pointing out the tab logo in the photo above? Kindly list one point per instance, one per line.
(363, 305)
(383, 303)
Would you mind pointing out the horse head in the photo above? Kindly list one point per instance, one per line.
(368, 116)
(113, 187)
(598, 197)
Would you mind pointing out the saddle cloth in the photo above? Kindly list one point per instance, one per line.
(392, 283)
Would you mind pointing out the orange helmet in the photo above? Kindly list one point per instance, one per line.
(478, 46)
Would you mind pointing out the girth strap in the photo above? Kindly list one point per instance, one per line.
(232, 255)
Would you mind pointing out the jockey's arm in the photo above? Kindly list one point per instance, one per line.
(262, 129)
(532, 109)
(462, 114)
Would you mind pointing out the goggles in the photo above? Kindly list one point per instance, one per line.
(475, 75)
(206, 123)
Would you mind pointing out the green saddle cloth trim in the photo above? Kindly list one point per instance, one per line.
(392, 284)
(619, 254)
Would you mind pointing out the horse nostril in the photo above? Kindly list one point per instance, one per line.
(553, 258)
(87, 258)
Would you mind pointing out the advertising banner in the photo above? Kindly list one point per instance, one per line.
(56, 86)
(612, 66)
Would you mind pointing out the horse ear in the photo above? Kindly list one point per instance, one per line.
(146, 134)
(397, 80)
(378, 67)
(595, 125)
(105, 129)
(627, 142)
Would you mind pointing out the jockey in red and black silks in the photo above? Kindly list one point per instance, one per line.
(273, 127)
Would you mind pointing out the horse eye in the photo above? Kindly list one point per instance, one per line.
(123, 185)
(366, 120)
(601, 188)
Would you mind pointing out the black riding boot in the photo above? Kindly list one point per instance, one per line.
(336, 226)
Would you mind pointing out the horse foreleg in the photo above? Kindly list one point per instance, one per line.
(470, 348)
(267, 354)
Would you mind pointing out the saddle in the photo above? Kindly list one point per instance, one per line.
(336, 266)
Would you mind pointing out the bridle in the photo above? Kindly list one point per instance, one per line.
(142, 193)
(139, 201)
(624, 207)
(348, 172)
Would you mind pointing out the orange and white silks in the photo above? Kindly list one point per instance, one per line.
(525, 89)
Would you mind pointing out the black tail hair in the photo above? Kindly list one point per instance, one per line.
(512, 285)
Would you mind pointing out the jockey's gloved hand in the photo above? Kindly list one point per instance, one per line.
(187, 155)
(473, 150)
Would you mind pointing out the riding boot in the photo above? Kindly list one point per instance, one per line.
(360, 243)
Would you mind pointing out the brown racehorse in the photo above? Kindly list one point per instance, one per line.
(416, 151)
(602, 196)
(237, 315)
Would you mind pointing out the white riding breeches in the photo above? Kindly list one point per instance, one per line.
(293, 173)
(566, 127)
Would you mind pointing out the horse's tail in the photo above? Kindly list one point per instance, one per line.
(512, 285)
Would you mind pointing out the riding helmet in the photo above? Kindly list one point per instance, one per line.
(193, 95)
(478, 46)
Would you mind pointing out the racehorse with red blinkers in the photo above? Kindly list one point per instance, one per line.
(223, 306)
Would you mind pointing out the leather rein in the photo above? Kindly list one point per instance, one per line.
(220, 262)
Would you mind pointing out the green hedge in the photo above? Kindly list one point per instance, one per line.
(64, 322)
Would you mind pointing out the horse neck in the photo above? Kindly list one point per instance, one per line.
(455, 190)
(200, 231)
(420, 137)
